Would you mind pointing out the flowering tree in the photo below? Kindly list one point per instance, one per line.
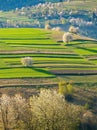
(47, 27)
(67, 37)
(27, 61)
(7, 113)
(72, 29)
(52, 112)
(15, 113)
(46, 111)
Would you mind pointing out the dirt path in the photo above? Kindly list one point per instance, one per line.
(35, 52)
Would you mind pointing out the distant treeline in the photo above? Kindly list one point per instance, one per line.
(12, 4)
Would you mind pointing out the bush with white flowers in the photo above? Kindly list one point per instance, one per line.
(72, 29)
(67, 37)
(27, 61)
(47, 27)
(57, 29)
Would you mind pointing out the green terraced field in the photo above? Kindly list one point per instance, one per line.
(47, 54)
(24, 72)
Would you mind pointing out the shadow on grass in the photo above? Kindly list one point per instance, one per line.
(41, 70)
(88, 49)
(24, 38)
(80, 42)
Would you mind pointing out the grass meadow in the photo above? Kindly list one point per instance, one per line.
(47, 53)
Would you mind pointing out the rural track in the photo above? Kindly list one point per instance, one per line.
(34, 52)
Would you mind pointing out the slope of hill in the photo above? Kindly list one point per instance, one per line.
(51, 59)
(6, 5)
(66, 14)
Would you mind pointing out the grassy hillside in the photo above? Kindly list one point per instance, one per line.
(63, 14)
(51, 58)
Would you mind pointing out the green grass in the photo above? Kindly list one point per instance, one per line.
(40, 55)
(86, 51)
(81, 5)
(16, 62)
(83, 81)
(72, 56)
(24, 72)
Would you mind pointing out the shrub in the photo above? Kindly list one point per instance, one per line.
(87, 106)
(66, 90)
(72, 29)
(27, 61)
(63, 88)
(70, 89)
(57, 29)
(89, 121)
(67, 37)
(47, 27)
